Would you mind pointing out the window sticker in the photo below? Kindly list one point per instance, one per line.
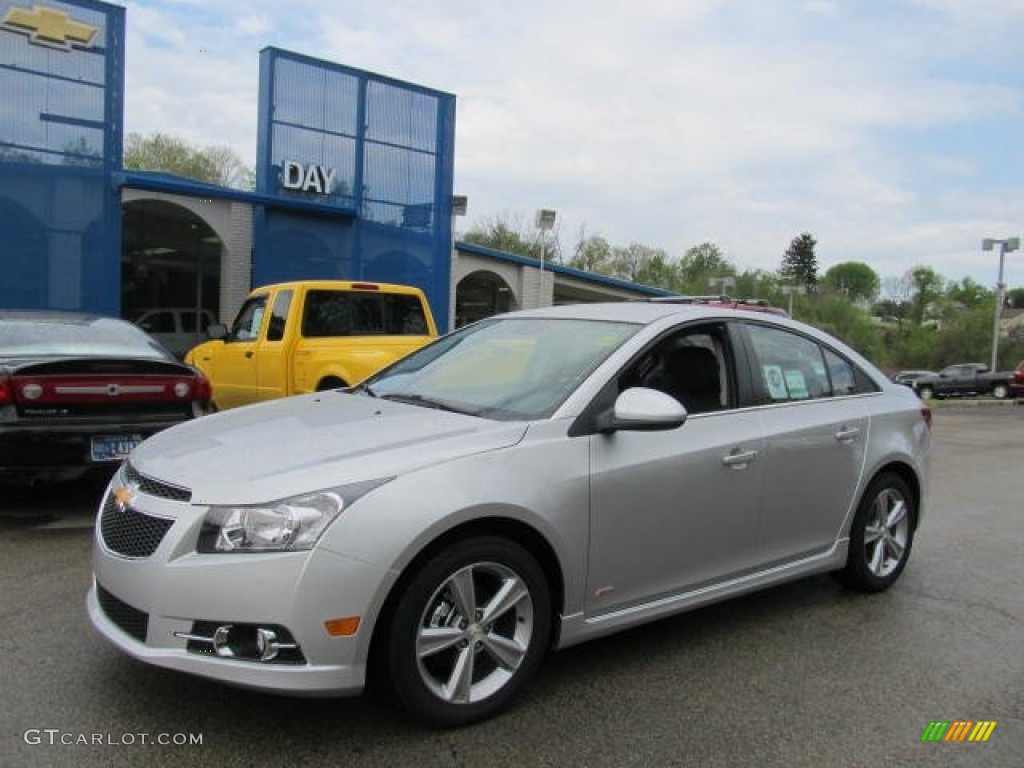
(774, 381)
(797, 385)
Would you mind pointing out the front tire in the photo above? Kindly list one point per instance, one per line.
(469, 631)
(881, 535)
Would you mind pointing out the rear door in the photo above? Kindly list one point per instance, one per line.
(816, 429)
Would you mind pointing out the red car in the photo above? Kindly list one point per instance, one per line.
(1017, 385)
(79, 392)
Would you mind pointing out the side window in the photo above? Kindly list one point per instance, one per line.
(842, 373)
(327, 313)
(158, 322)
(279, 315)
(788, 366)
(249, 319)
(691, 366)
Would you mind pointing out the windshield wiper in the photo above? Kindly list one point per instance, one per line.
(428, 402)
(366, 388)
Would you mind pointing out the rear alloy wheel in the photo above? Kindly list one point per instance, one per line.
(469, 630)
(925, 392)
(1000, 391)
(881, 535)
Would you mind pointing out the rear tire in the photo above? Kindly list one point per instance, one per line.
(469, 631)
(925, 392)
(1001, 391)
(881, 535)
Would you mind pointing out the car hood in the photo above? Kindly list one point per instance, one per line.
(274, 450)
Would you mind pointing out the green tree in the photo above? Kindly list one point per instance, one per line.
(799, 264)
(699, 264)
(629, 262)
(501, 234)
(593, 254)
(969, 294)
(852, 280)
(926, 288)
(212, 164)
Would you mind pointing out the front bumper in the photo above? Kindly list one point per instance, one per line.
(169, 593)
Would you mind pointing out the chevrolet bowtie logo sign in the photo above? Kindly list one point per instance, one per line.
(49, 27)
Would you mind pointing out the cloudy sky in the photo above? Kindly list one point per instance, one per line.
(889, 129)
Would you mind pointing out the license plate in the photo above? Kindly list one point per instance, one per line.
(113, 447)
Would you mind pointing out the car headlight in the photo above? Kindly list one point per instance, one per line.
(289, 524)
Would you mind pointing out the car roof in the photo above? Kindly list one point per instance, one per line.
(643, 312)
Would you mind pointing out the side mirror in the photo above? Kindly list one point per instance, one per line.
(216, 331)
(643, 409)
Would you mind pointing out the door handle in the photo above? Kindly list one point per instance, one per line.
(737, 459)
(248, 353)
(847, 435)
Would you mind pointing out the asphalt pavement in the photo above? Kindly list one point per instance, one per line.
(806, 674)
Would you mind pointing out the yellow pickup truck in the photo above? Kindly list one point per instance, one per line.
(307, 336)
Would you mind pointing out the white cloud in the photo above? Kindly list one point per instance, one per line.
(874, 126)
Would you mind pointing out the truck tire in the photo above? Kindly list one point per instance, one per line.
(1001, 391)
(925, 392)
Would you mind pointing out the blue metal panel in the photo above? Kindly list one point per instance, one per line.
(60, 139)
(390, 147)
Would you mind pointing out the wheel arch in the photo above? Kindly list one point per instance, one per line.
(528, 537)
(907, 474)
(331, 381)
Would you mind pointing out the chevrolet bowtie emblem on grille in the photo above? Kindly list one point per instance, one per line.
(49, 27)
(123, 496)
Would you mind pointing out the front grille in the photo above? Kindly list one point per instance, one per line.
(131, 533)
(129, 620)
(151, 487)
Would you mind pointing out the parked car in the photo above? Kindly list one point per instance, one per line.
(79, 391)
(965, 379)
(907, 378)
(528, 482)
(176, 327)
(309, 336)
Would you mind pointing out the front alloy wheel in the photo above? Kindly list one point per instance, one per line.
(881, 535)
(470, 629)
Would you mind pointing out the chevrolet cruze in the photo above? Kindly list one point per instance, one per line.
(525, 483)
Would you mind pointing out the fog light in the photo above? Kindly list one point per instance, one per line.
(221, 641)
(266, 644)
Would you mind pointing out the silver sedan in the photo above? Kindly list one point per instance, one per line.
(526, 483)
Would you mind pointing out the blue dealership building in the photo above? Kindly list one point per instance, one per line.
(354, 181)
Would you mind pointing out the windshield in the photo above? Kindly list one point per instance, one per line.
(505, 368)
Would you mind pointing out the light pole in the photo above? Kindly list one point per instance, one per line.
(1005, 246)
(545, 221)
(789, 290)
(724, 283)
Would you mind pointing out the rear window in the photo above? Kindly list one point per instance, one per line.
(355, 313)
(73, 337)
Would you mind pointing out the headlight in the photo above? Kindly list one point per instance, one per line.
(286, 525)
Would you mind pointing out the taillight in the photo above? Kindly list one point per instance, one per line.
(6, 393)
(203, 390)
(926, 414)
